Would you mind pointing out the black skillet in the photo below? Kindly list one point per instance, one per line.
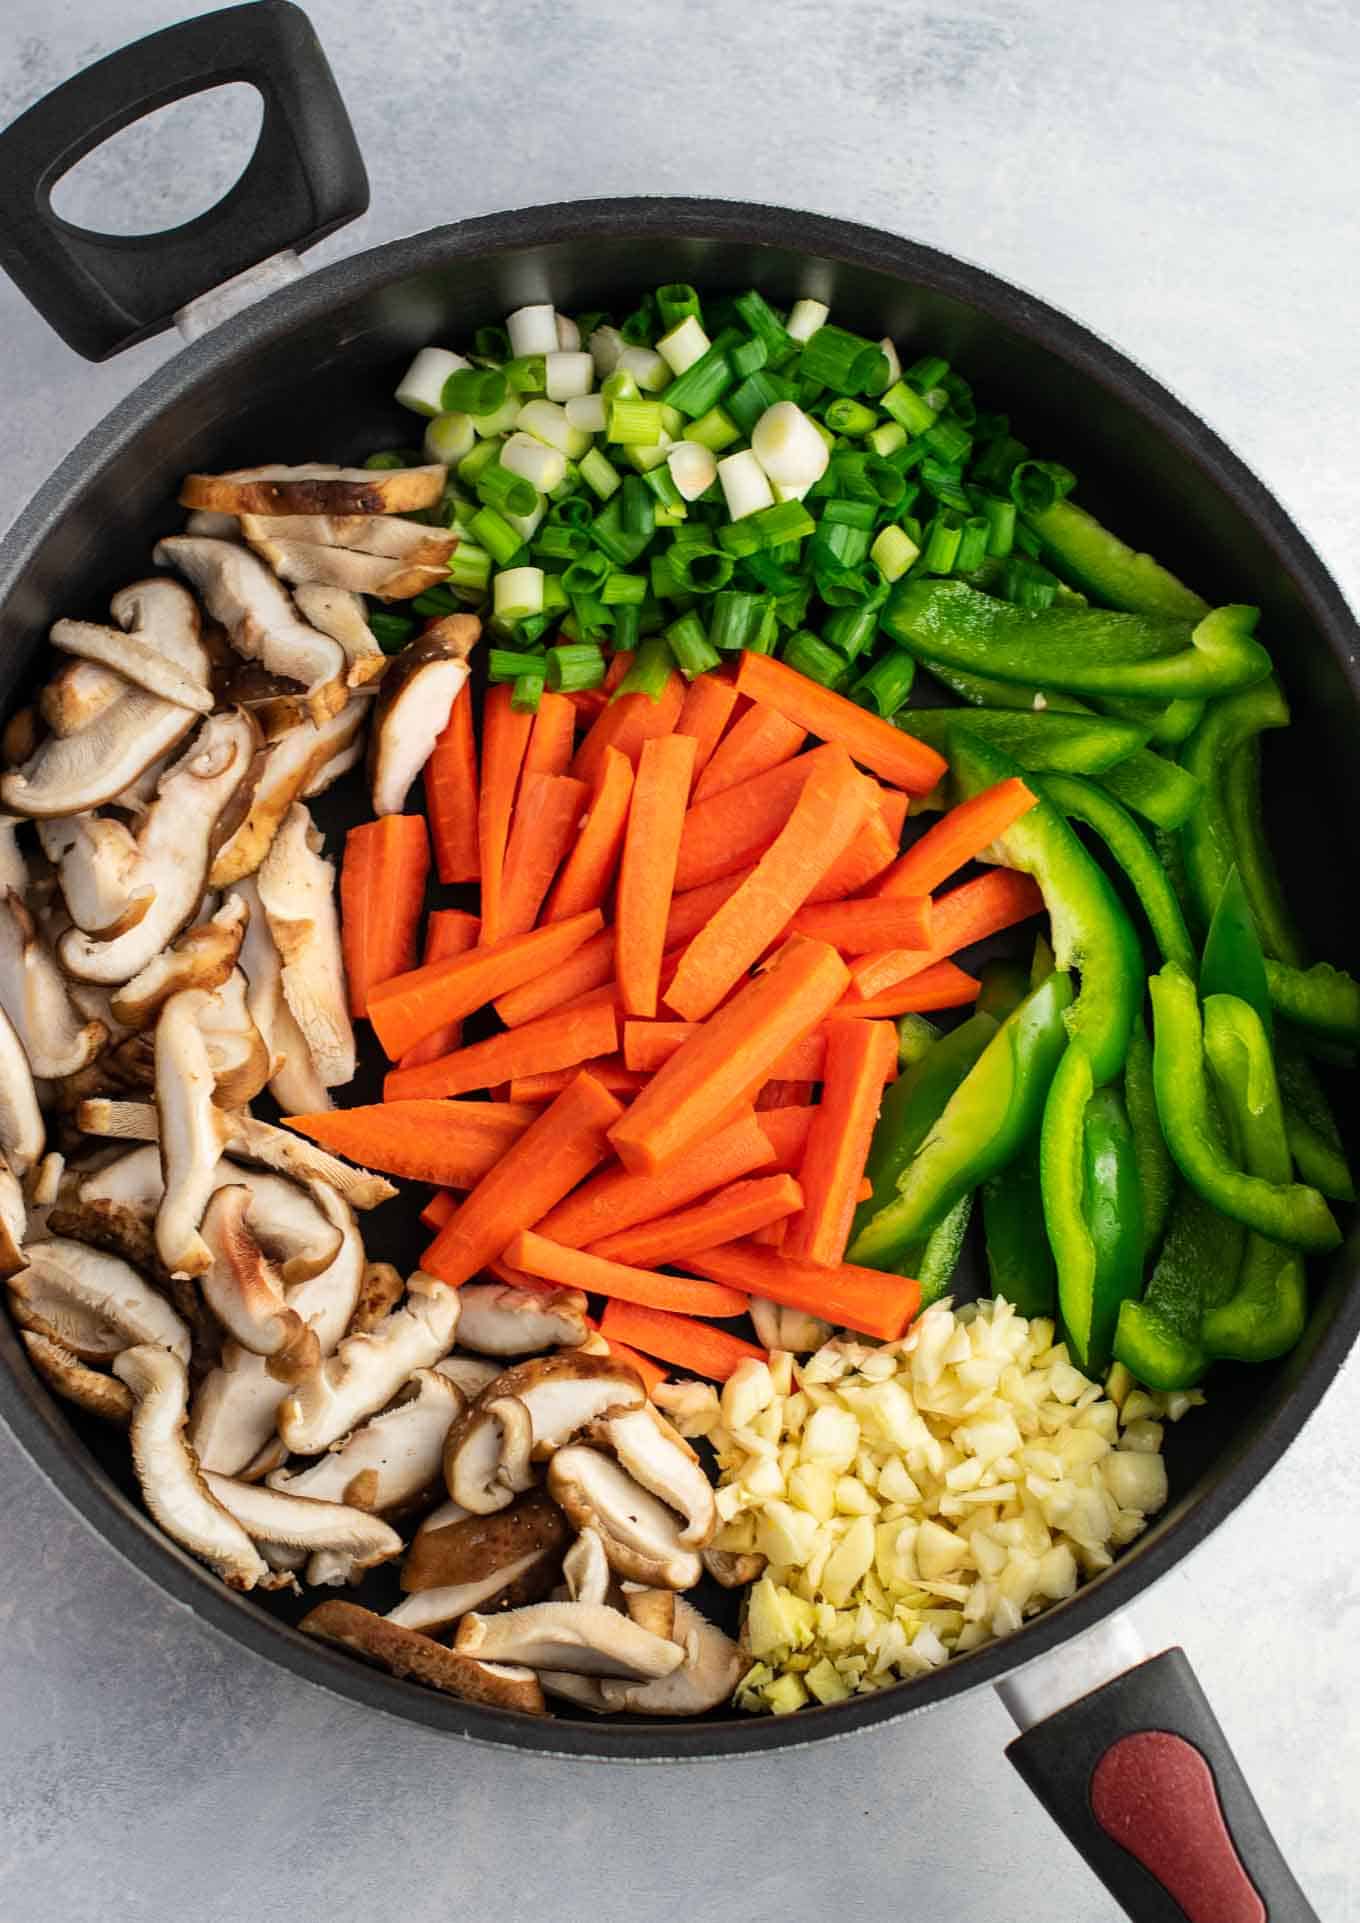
(1125, 1753)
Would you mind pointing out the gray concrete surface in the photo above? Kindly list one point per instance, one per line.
(1181, 176)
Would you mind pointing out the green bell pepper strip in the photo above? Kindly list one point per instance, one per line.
(1042, 961)
(1233, 963)
(1168, 723)
(1086, 650)
(993, 1112)
(1322, 1000)
(1090, 929)
(915, 1038)
(1314, 1139)
(1264, 1316)
(934, 1263)
(1159, 1339)
(1224, 831)
(1146, 782)
(1283, 1211)
(1043, 741)
(1099, 563)
(1004, 985)
(1083, 801)
(1156, 1170)
(913, 1104)
(1019, 1258)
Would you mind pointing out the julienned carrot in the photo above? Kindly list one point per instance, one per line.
(448, 932)
(615, 1200)
(737, 1210)
(546, 822)
(505, 736)
(835, 800)
(410, 1007)
(650, 1373)
(732, 1051)
(896, 757)
(551, 737)
(589, 703)
(860, 1056)
(619, 664)
(589, 966)
(554, 1153)
(761, 739)
(678, 1339)
(589, 867)
(626, 724)
(943, 985)
(866, 1300)
(656, 816)
(860, 927)
(873, 849)
(546, 1084)
(709, 701)
(806, 1060)
(611, 993)
(451, 794)
(555, 1041)
(576, 1269)
(440, 1206)
(382, 891)
(780, 1092)
(771, 1236)
(646, 1045)
(697, 906)
(786, 1130)
(453, 1143)
(957, 838)
(984, 906)
(732, 830)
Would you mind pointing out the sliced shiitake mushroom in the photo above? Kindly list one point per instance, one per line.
(376, 554)
(560, 1395)
(33, 993)
(341, 614)
(474, 1548)
(657, 1456)
(315, 488)
(367, 1370)
(360, 1540)
(295, 1084)
(69, 774)
(245, 1292)
(710, 1672)
(78, 694)
(498, 1319)
(415, 700)
(296, 889)
(405, 1652)
(287, 769)
(75, 1382)
(13, 1221)
(92, 1302)
(379, 1293)
(22, 1134)
(391, 1461)
(202, 957)
(641, 1534)
(587, 1639)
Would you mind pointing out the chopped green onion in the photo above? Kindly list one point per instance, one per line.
(390, 631)
(619, 589)
(837, 546)
(714, 430)
(586, 575)
(474, 390)
(512, 664)
(470, 566)
(840, 360)
(739, 539)
(496, 535)
(789, 446)
(887, 439)
(573, 511)
(851, 630)
(946, 484)
(422, 385)
(491, 426)
(588, 413)
(747, 356)
(547, 421)
(972, 544)
(756, 395)
(812, 657)
(526, 694)
(449, 437)
(1028, 584)
(532, 330)
(393, 457)
(805, 317)
(434, 604)
(518, 593)
(1000, 524)
(685, 344)
(541, 467)
(639, 327)
(887, 683)
(785, 521)
(700, 568)
(850, 513)
(574, 666)
(491, 344)
(645, 366)
(619, 386)
(636, 507)
(529, 375)
(893, 552)
(568, 374)
(689, 644)
(508, 492)
(908, 408)
(926, 373)
(948, 440)
(845, 416)
(745, 486)
(599, 474)
(613, 539)
(765, 327)
(701, 385)
(555, 597)
(627, 624)
(661, 480)
(650, 670)
(532, 628)
(478, 460)
(734, 614)
(635, 423)
(677, 301)
(1038, 485)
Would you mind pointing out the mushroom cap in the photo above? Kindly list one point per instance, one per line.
(525, 1579)
(92, 1393)
(367, 1370)
(390, 1461)
(658, 1457)
(287, 769)
(711, 1670)
(564, 1392)
(191, 1131)
(275, 1516)
(245, 1292)
(22, 1133)
(414, 703)
(168, 1473)
(94, 1303)
(469, 1372)
(407, 1653)
(587, 1639)
(586, 1571)
(379, 1293)
(475, 1547)
(488, 1454)
(341, 614)
(498, 1319)
(68, 774)
(138, 660)
(78, 694)
(641, 1535)
(300, 562)
(34, 994)
(296, 889)
(13, 1221)
(295, 1084)
(733, 1569)
(315, 488)
(202, 957)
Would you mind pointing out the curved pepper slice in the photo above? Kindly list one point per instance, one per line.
(1284, 1211)
(1019, 1256)
(994, 1111)
(1314, 1138)
(1160, 1339)
(1233, 963)
(1083, 801)
(1090, 557)
(1156, 1170)
(1086, 650)
(1322, 999)
(938, 1257)
(1043, 740)
(1091, 931)
(1264, 1316)
(1093, 1211)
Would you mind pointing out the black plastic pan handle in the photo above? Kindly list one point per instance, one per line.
(103, 292)
(1140, 1777)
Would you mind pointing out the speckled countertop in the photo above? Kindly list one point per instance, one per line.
(1181, 176)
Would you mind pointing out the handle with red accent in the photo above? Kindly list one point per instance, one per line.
(1140, 1777)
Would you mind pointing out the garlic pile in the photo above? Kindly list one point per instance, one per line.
(917, 1499)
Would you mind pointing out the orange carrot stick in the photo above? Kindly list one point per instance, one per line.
(984, 906)
(554, 1153)
(733, 1050)
(697, 906)
(873, 850)
(860, 1057)
(709, 701)
(957, 838)
(410, 1007)
(448, 932)
(589, 867)
(546, 823)
(761, 739)
(614, 1200)
(647, 869)
(646, 1045)
(943, 985)
(895, 757)
(382, 891)
(650, 1373)
(505, 736)
(786, 1130)
(678, 1339)
(619, 664)
(780, 1092)
(626, 724)
(834, 802)
(589, 966)
(732, 830)
(453, 1143)
(860, 927)
(556, 1041)
(544, 1086)
(551, 737)
(440, 1206)
(866, 1300)
(772, 1235)
(737, 1210)
(451, 794)
(576, 1269)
